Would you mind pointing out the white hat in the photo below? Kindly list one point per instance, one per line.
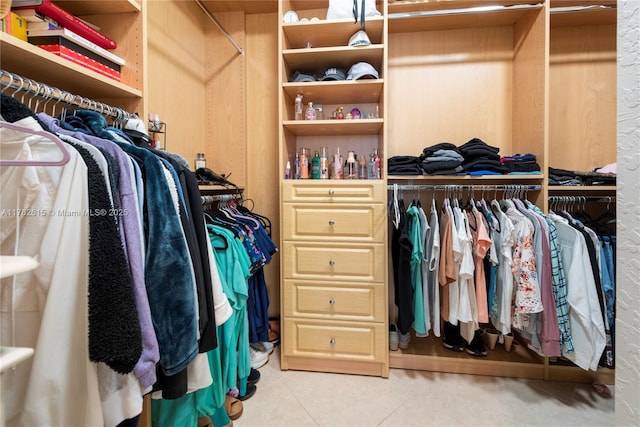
(359, 39)
(362, 70)
(290, 17)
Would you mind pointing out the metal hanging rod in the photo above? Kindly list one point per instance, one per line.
(464, 11)
(587, 8)
(220, 27)
(501, 187)
(604, 199)
(24, 87)
(220, 198)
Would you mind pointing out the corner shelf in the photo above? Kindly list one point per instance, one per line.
(331, 92)
(30, 61)
(334, 127)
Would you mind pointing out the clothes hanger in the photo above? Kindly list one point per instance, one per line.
(51, 137)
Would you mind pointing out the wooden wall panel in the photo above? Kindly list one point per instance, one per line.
(176, 75)
(449, 86)
(582, 111)
(262, 133)
(226, 90)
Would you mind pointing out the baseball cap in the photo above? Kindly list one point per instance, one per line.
(302, 76)
(362, 70)
(334, 74)
(359, 39)
(290, 16)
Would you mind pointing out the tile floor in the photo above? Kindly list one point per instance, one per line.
(418, 398)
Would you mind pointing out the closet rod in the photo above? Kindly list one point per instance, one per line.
(220, 198)
(215, 21)
(604, 199)
(501, 187)
(464, 11)
(50, 93)
(587, 8)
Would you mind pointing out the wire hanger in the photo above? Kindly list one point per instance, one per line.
(51, 137)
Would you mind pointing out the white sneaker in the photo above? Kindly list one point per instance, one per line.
(258, 358)
(268, 346)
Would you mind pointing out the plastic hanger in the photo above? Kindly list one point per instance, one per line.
(51, 137)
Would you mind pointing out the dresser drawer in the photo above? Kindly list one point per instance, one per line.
(335, 340)
(334, 191)
(335, 300)
(321, 222)
(334, 261)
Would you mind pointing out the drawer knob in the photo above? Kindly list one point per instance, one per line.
(332, 341)
(331, 192)
(332, 301)
(331, 222)
(332, 262)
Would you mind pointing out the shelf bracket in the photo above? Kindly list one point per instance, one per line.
(220, 27)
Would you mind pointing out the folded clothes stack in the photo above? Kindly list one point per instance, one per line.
(481, 158)
(403, 165)
(521, 164)
(569, 177)
(441, 159)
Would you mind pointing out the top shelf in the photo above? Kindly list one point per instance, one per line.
(32, 62)
(453, 14)
(76, 7)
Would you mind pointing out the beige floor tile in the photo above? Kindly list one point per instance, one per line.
(274, 405)
(419, 398)
(348, 400)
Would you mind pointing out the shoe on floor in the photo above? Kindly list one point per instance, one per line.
(251, 390)
(233, 407)
(258, 358)
(452, 340)
(263, 346)
(476, 347)
(254, 376)
(404, 341)
(394, 337)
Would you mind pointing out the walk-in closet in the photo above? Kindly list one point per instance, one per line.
(218, 255)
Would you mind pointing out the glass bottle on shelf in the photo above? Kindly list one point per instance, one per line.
(351, 169)
(378, 162)
(315, 166)
(296, 167)
(337, 165)
(310, 112)
(298, 107)
(324, 163)
(362, 167)
(304, 163)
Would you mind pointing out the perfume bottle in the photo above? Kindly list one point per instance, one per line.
(315, 166)
(324, 164)
(337, 165)
(310, 112)
(350, 171)
(298, 107)
(304, 163)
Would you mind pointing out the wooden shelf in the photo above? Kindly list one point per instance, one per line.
(332, 92)
(100, 7)
(318, 59)
(455, 14)
(334, 127)
(429, 354)
(330, 33)
(30, 61)
(592, 16)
